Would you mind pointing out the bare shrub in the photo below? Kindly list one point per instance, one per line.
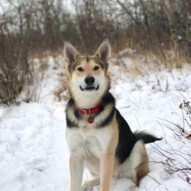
(14, 66)
(178, 160)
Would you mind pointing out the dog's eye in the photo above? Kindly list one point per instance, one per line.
(80, 69)
(96, 68)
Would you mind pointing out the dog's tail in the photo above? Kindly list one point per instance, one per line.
(146, 137)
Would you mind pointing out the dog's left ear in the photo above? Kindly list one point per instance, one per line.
(70, 53)
(104, 50)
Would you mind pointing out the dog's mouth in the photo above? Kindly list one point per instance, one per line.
(89, 88)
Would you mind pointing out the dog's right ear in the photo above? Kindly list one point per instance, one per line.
(70, 53)
(104, 51)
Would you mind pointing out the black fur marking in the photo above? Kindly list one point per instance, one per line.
(71, 105)
(126, 140)
(70, 124)
(77, 114)
(107, 99)
(146, 137)
(107, 120)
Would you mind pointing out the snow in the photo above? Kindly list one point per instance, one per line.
(33, 151)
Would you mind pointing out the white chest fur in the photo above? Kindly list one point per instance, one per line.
(87, 141)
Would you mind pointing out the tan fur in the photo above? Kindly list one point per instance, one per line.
(143, 169)
(74, 164)
(107, 160)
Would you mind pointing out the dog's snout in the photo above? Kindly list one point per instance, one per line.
(89, 80)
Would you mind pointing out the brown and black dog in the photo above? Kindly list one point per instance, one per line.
(98, 136)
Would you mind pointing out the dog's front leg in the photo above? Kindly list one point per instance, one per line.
(106, 170)
(76, 172)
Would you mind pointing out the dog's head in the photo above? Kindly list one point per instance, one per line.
(88, 77)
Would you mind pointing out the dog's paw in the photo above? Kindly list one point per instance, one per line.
(89, 185)
(132, 187)
(86, 187)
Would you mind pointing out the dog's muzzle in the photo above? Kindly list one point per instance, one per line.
(89, 81)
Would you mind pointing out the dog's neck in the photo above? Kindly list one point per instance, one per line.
(87, 102)
(92, 110)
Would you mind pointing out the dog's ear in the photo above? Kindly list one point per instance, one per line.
(70, 53)
(104, 50)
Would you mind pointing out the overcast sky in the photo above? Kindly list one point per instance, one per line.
(5, 5)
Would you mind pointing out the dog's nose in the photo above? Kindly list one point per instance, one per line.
(89, 80)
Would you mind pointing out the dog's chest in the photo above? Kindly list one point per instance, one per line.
(87, 141)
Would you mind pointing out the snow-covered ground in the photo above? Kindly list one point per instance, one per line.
(33, 151)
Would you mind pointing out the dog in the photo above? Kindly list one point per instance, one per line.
(97, 135)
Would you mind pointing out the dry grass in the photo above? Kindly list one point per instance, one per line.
(44, 53)
(144, 61)
(128, 62)
(62, 93)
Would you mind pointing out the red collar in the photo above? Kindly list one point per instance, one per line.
(90, 111)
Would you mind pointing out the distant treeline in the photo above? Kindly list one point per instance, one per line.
(147, 24)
